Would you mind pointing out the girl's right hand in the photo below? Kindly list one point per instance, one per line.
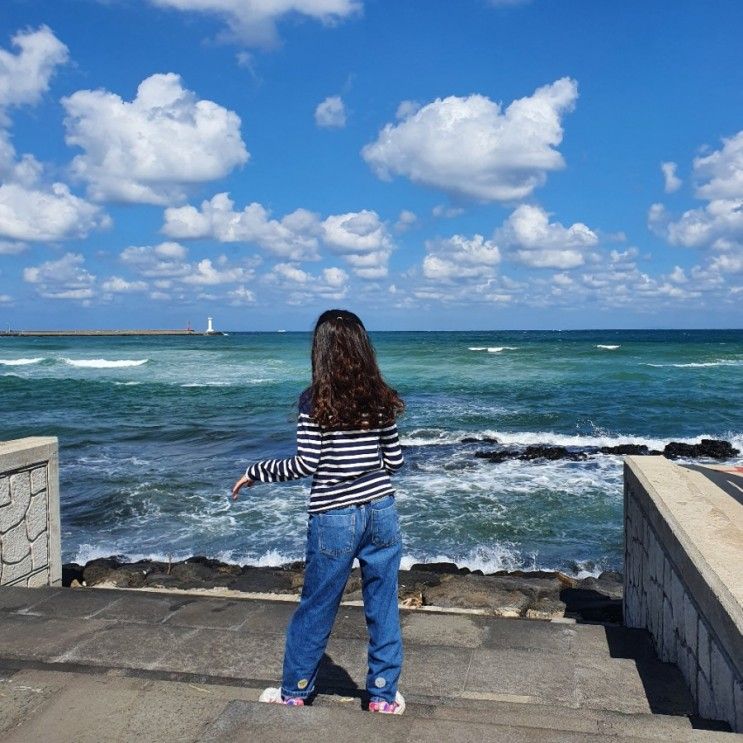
(244, 480)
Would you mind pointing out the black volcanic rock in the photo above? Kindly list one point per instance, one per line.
(709, 448)
(442, 568)
(624, 449)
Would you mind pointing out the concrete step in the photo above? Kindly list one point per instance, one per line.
(252, 721)
(459, 668)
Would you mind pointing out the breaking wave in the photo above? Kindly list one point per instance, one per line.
(104, 363)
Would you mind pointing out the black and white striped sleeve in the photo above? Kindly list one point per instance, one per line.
(303, 464)
(389, 442)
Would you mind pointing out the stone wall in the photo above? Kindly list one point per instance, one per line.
(683, 578)
(30, 552)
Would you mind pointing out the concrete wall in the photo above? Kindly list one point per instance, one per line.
(683, 578)
(30, 552)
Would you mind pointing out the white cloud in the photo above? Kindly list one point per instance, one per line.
(362, 239)
(298, 284)
(335, 277)
(535, 241)
(168, 264)
(25, 76)
(46, 214)
(253, 22)
(671, 181)
(205, 273)
(722, 171)
(66, 278)
(11, 248)
(446, 212)
(164, 260)
(470, 147)
(117, 285)
(331, 113)
(407, 108)
(718, 224)
(150, 149)
(31, 209)
(295, 236)
(405, 220)
(241, 296)
(459, 257)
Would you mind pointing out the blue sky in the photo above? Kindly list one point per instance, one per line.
(454, 164)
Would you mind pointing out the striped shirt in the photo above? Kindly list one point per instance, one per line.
(347, 467)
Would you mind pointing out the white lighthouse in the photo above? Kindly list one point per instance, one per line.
(210, 327)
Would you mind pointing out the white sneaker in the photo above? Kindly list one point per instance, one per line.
(272, 695)
(389, 708)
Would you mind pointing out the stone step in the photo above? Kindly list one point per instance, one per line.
(252, 721)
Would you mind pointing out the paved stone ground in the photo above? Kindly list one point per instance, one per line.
(105, 665)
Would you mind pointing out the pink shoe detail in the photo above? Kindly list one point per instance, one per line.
(273, 695)
(388, 708)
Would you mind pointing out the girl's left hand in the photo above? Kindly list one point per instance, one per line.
(244, 480)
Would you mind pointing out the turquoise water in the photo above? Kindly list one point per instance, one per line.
(154, 431)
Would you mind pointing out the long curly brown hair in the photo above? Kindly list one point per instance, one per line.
(347, 389)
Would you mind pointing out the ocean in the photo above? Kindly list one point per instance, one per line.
(154, 431)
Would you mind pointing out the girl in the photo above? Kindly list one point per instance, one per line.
(347, 440)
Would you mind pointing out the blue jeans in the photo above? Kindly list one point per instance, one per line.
(371, 533)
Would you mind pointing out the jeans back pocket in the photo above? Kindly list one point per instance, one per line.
(336, 533)
(385, 526)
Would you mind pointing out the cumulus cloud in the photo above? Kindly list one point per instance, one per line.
(253, 22)
(25, 76)
(721, 172)
(168, 265)
(671, 181)
(206, 273)
(535, 241)
(117, 285)
(151, 149)
(297, 284)
(46, 213)
(361, 238)
(32, 209)
(241, 296)
(717, 226)
(458, 257)
(295, 236)
(331, 113)
(469, 146)
(66, 278)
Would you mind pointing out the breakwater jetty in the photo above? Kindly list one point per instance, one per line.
(97, 333)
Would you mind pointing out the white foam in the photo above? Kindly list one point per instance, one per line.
(608, 347)
(432, 437)
(701, 364)
(21, 362)
(104, 363)
(127, 384)
(492, 349)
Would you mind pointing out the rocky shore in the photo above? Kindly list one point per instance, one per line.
(716, 449)
(536, 595)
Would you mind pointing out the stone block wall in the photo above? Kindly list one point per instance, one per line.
(30, 550)
(683, 580)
